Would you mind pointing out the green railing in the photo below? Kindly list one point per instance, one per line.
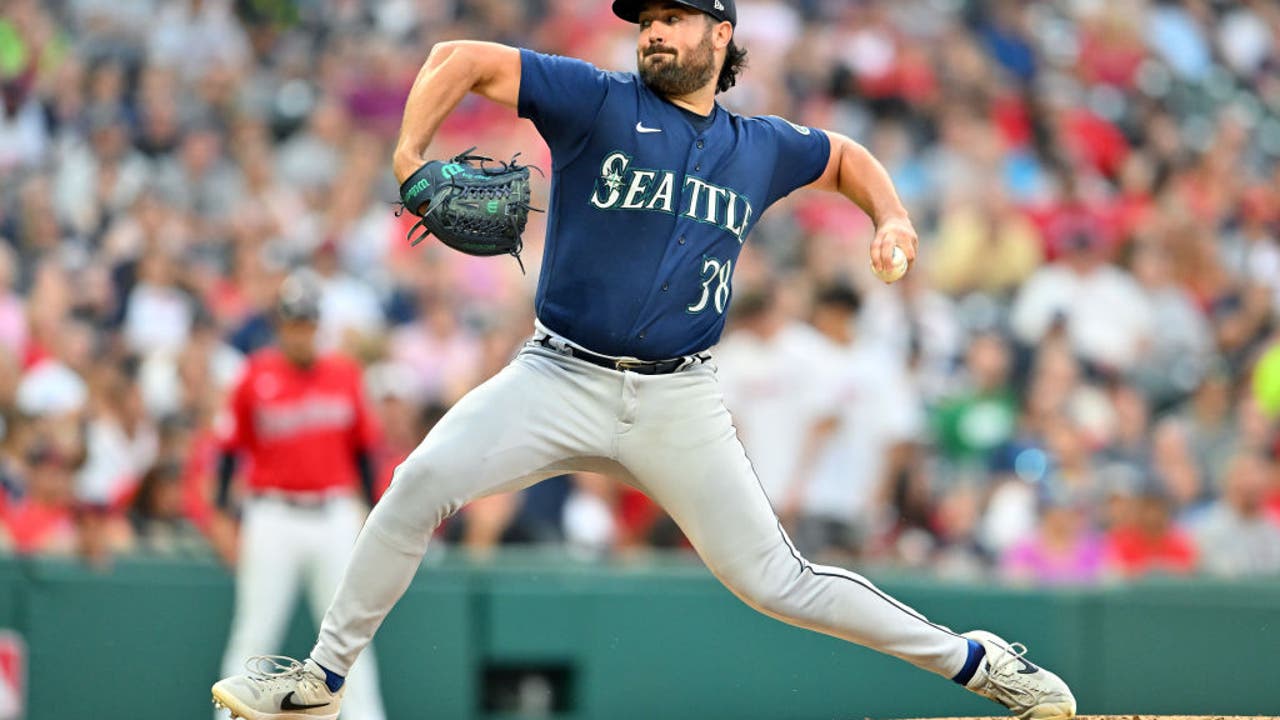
(643, 640)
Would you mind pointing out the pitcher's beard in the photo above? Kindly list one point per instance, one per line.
(675, 78)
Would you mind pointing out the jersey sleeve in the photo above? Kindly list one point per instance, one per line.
(801, 155)
(562, 96)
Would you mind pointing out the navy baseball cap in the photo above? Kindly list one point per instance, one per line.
(629, 10)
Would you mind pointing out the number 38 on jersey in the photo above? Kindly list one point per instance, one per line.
(716, 276)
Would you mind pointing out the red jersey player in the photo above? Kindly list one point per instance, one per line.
(301, 421)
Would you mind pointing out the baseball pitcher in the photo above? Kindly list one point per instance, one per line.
(654, 188)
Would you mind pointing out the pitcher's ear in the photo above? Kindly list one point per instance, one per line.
(723, 35)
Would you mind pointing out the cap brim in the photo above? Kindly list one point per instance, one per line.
(629, 10)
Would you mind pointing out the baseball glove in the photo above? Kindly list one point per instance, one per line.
(470, 206)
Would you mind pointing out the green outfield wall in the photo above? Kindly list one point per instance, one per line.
(639, 640)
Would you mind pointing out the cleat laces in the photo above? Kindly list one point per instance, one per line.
(1010, 691)
(1013, 653)
(277, 671)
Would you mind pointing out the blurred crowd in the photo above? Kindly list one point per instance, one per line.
(1078, 381)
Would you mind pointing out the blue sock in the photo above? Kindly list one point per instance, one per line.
(333, 679)
(976, 653)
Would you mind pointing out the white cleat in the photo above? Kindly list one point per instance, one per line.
(1031, 692)
(278, 688)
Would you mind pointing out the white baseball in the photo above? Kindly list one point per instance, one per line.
(896, 270)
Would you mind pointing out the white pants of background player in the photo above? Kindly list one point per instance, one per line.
(670, 435)
(284, 548)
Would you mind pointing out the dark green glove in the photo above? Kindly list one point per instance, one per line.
(470, 206)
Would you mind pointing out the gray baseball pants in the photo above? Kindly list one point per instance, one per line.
(546, 414)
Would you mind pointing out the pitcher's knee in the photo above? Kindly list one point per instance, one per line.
(771, 595)
(414, 505)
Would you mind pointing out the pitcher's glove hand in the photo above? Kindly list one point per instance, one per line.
(472, 207)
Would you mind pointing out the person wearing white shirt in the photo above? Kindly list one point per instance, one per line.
(1235, 536)
(1108, 317)
(770, 374)
(158, 313)
(855, 447)
(350, 310)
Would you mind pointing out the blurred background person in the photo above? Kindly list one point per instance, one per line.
(980, 412)
(157, 518)
(857, 444)
(1108, 319)
(771, 373)
(1143, 539)
(1235, 535)
(1064, 550)
(43, 522)
(300, 418)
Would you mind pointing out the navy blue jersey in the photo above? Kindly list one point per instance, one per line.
(649, 206)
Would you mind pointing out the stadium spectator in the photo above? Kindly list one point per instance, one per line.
(1175, 465)
(1064, 550)
(441, 353)
(857, 442)
(984, 244)
(156, 516)
(44, 521)
(919, 326)
(1145, 540)
(770, 373)
(1235, 536)
(981, 413)
(1210, 424)
(1107, 317)
(1179, 346)
(121, 443)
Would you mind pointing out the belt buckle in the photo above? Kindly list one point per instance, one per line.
(624, 364)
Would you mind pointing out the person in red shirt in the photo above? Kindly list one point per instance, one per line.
(1146, 541)
(301, 422)
(44, 522)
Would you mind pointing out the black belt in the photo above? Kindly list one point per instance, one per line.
(643, 367)
(301, 501)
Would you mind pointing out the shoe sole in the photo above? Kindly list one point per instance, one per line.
(231, 705)
(238, 710)
(1050, 712)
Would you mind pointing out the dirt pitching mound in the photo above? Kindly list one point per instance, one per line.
(1135, 717)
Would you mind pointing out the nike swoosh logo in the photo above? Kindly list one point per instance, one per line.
(1027, 668)
(640, 128)
(289, 704)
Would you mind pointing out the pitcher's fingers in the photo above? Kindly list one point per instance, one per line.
(910, 248)
(877, 253)
(886, 249)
